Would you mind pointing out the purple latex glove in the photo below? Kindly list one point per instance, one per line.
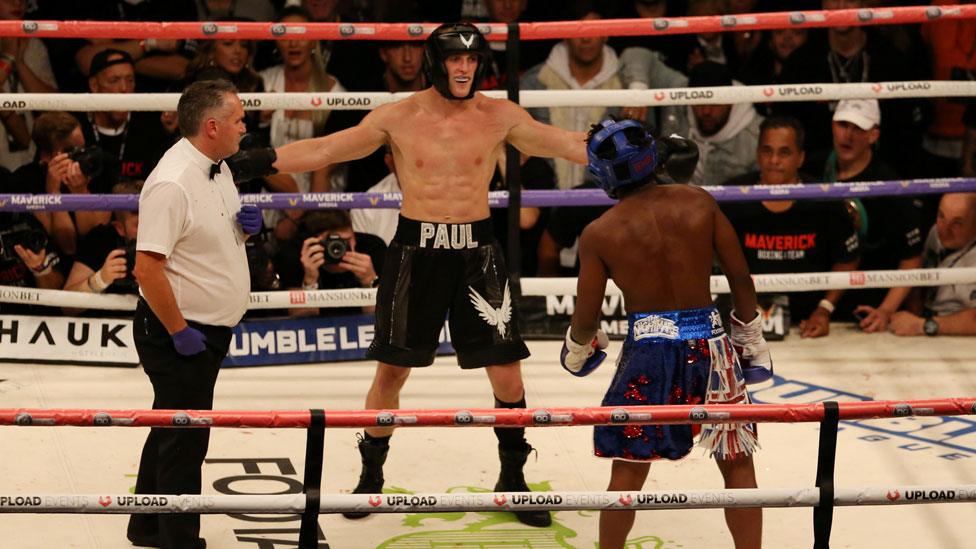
(189, 341)
(250, 219)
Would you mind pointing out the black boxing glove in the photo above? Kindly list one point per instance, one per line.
(252, 163)
(677, 158)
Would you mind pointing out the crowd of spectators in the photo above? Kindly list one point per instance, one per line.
(767, 144)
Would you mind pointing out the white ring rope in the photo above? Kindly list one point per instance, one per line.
(364, 297)
(527, 98)
(474, 502)
(791, 282)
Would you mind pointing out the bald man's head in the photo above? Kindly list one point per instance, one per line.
(956, 222)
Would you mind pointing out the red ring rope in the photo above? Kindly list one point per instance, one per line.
(488, 417)
(494, 31)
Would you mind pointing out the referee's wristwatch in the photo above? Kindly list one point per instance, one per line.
(930, 327)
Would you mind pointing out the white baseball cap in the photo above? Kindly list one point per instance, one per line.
(863, 113)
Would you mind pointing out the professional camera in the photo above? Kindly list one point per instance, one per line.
(21, 233)
(128, 283)
(91, 159)
(335, 247)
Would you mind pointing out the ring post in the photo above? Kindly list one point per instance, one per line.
(314, 453)
(513, 168)
(823, 513)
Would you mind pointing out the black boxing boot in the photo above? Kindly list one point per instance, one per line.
(373, 452)
(511, 479)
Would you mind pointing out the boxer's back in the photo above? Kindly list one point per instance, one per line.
(657, 245)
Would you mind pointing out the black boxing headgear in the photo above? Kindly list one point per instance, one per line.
(449, 39)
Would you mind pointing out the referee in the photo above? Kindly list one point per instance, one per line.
(194, 283)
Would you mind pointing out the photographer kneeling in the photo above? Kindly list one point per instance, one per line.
(106, 254)
(27, 259)
(331, 257)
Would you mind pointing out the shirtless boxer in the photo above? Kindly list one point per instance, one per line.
(443, 261)
(657, 245)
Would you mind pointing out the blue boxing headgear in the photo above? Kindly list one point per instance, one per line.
(455, 38)
(621, 154)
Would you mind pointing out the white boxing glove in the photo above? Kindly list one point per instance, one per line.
(580, 359)
(753, 351)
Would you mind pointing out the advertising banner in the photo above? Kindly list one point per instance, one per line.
(108, 341)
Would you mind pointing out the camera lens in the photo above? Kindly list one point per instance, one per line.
(335, 247)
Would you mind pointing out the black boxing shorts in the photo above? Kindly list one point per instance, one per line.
(438, 271)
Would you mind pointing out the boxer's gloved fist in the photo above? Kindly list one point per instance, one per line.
(189, 341)
(250, 164)
(580, 359)
(753, 351)
(250, 219)
(677, 158)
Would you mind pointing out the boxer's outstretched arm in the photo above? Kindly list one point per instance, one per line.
(590, 288)
(733, 263)
(350, 144)
(537, 139)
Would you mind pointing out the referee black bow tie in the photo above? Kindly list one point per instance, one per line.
(215, 169)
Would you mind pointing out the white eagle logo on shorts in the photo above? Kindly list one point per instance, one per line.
(494, 317)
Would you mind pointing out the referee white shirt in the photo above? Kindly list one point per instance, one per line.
(192, 220)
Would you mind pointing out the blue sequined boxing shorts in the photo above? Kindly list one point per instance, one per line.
(668, 359)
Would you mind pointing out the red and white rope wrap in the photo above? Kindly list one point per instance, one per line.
(488, 417)
(475, 502)
(493, 31)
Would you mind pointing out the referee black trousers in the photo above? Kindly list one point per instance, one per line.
(172, 458)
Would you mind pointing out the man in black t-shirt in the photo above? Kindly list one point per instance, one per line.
(890, 227)
(131, 142)
(785, 236)
(330, 257)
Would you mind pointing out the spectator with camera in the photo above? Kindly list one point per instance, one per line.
(27, 258)
(55, 169)
(331, 256)
(106, 255)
